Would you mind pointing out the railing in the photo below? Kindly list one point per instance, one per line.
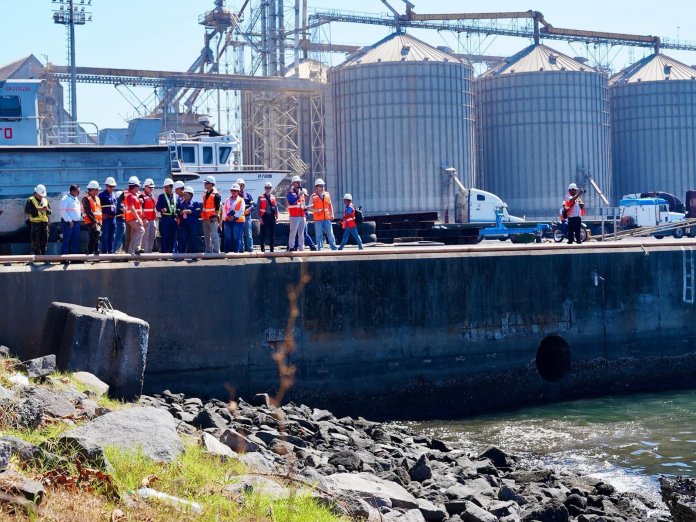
(73, 133)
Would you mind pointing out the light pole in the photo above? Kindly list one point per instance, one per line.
(71, 13)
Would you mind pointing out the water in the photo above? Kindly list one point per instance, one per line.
(627, 441)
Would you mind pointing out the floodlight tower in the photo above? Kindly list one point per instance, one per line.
(71, 13)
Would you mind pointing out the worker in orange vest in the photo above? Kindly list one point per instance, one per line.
(296, 208)
(210, 216)
(350, 227)
(133, 212)
(149, 203)
(92, 210)
(323, 212)
(233, 214)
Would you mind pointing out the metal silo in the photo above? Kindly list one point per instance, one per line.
(653, 133)
(403, 110)
(543, 122)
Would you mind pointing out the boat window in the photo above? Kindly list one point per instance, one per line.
(225, 154)
(207, 155)
(186, 154)
(10, 108)
(480, 197)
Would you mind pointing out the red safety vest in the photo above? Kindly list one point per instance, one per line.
(96, 208)
(349, 219)
(297, 210)
(149, 203)
(208, 210)
(323, 209)
(133, 207)
(263, 203)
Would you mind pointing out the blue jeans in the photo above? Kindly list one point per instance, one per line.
(71, 238)
(321, 227)
(167, 226)
(248, 235)
(108, 234)
(238, 236)
(351, 232)
(120, 235)
(187, 239)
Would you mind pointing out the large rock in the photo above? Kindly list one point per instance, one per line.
(348, 459)
(55, 403)
(551, 511)
(430, 511)
(473, 513)
(680, 496)
(81, 449)
(263, 485)
(5, 454)
(93, 383)
(145, 429)
(27, 413)
(371, 488)
(216, 448)
(421, 470)
(238, 442)
(40, 367)
(108, 344)
(14, 483)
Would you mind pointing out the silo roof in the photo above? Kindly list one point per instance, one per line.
(654, 68)
(400, 47)
(538, 58)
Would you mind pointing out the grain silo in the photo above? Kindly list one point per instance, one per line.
(403, 111)
(543, 122)
(653, 104)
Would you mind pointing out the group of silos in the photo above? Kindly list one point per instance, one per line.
(404, 111)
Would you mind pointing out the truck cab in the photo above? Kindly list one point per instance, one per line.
(647, 212)
(478, 206)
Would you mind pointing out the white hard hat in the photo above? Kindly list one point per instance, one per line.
(210, 179)
(133, 180)
(40, 190)
(268, 185)
(179, 185)
(149, 182)
(318, 182)
(189, 190)
(110, 182)
(93, 185)
(296, 179)
(348, 197)
(235, 186)
(241, 181)
(169, 181)
(572, 186)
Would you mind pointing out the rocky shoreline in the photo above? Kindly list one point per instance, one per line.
(360, 469)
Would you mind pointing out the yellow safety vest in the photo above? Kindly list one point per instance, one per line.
(42, 217)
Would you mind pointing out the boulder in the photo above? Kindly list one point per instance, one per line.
(680, 496)
(238, 442)
(498, 457)
(32, 455)
(348, 459)
(473, 513)
(421, 470)
(412, 515)
(551, 511)
(5, 454)
(92, 383)
(40, 367)
(430, 511)
(145, 429)
(78, 448)
(27, 413)
(216, 448)
(370, 487)
(257, 462)
(55, 403)
(13, 482)
(259, 484)
(108, 344)
(209, 419)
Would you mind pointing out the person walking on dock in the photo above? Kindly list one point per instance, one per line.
(189, 212)
(148, 202)
(108, 204)
(268, 211)
(573, 208)
(91, 208)
(70, 219)
(120, 222)
(323, 211)
(350, 227)
(234, 220)
(249, 207)
(38, 209)
(133, 211)
(210, 216)
(296, 209)
(166, 206)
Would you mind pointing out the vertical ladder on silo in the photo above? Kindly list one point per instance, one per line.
(688, 257)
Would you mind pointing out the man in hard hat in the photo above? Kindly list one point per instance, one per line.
(210, 216)
(233, 214)
(268, 211)
(323, 211)
(70, 219)
(189, 212)
(91, 208)
(120, 221)
(573, 208)
(249, 206)
(38, 209)
(166, 206)
(147, 200)
(133, 212)
(296, 208)
(350, 227)
(108, 204)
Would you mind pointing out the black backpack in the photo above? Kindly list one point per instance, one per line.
(359, 219)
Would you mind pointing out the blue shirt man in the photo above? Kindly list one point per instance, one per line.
(167, 205)
(107, 197)
(189, 213)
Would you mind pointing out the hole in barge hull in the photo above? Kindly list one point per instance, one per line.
(553, 358)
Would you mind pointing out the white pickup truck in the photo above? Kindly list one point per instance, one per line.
(478, 206)
(648, 212)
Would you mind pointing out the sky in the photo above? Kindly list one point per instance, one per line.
(165, 35)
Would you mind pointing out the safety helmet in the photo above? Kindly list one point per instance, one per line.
(168, 182)
(111, 182)
(149, 182)
(297, 179)
(235, 186)
(348, 197)
(189, 190)
(572, 186)
(268, 185)
(133, 180)
(40, 190)
(240, 181)
(93, 185)
(179, 185)
(210, 179)
(319, 182)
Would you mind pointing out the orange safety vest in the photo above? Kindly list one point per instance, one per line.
(133, 208)
(323, 209)
(237, 208)
(297, 210)
(263, 203)
(96, 208)
(349, 219)
(208, 210)
(148, 203)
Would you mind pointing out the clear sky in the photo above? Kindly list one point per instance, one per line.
(164, 34)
